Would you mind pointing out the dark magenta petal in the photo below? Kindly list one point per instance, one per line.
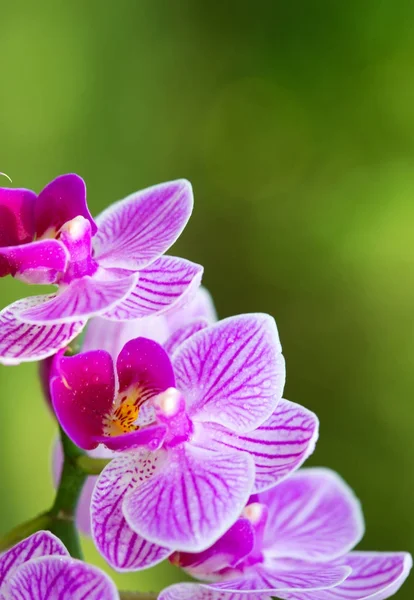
(150, 437)
(228, 551)
(17, 224)
(38, 262)
(144, 363)
(60, 201)
(82, 395)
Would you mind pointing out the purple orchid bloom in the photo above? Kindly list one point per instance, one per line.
(293, 541)
(170, 330)
(40, 568)
(198, 435)
(112, 267)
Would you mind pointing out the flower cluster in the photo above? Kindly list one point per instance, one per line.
(202, 450)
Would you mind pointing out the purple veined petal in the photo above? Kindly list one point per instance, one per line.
(112, 336)
(161, 286)
(42, 543)
(53, 577)
(375, 576)
(313, 515)
(17, 224)
(123, 549)
(183, 333)
(279, 446)
(82, 299)
(145, 364)
(82, 394)
(139, 229)
(272, 579)
(24, 342)
(192, 499)
(60, 201)
(195, 591)
(232, 373)
(228, 551)
(200, 307)
(38, 262)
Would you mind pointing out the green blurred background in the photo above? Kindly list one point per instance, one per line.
(294, 121)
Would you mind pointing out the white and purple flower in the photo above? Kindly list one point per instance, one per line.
(294, 541)
(40, 568)
(112, 267)
(198, 434)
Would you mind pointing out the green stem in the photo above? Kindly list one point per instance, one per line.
(137, 596)
(91, 466)
(22, 531)
(70, 487)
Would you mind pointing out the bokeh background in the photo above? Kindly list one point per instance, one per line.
(294, 121)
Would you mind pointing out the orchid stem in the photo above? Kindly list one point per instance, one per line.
(22, 531)
(91, 466)
(137, 596)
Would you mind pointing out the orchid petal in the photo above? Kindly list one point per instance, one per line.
(123, 549)
(191, 500)
(271, 579)
(278, 447)
(17, 224)
(165, 283)
(60, 201)
(233, 372)
(82, 395)
(39, 262)
(83, 298)
(23, 342)
(139, 229)
(102, 334)
(375, 576)
(145, 364)
(228, 551)
(313, 515)
(195, 591)
(39, 544)
(183, 333)
(200, 307)
(61, 578)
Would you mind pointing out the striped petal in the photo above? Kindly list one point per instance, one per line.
(17, 225)
(313, 516)
(233, 372)
(39, 544)
(139, 229)
(24, 342)
(195, 591)
(39, 262)
(60, 201)
(278, 447)
(375, 576)
(53, 577)
(183, 333)
(165, 283)
(192, 499)
(82, 299)
(123, 549)
(200, 307)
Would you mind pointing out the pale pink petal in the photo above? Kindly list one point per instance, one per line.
(201, 306)
(278, 447)
(232, 373)
(162, 285)
(135, 231)
(375, 576)
(183, 333)
(192, 499)
(195, 591)
(57, 578)
(42, 543)
(123, 549)
(313, 516)
(24, 342)
(82, 299)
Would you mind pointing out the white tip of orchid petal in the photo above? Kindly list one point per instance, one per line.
(75, 228)
(168, 402)
(5, 175)
(253, 512)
